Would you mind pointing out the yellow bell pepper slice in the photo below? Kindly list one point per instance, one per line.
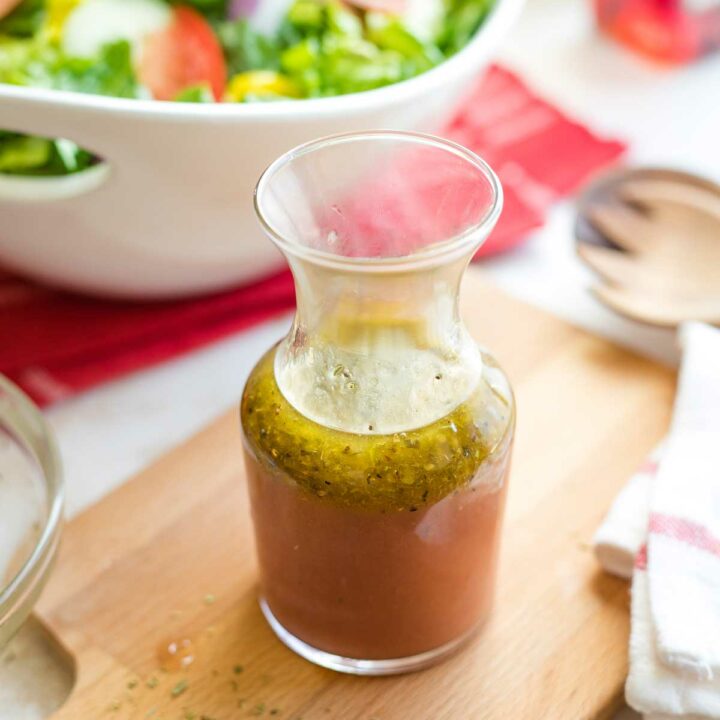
(261, 82)
(57, 12)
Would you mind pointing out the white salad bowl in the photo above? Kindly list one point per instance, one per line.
(168, 213)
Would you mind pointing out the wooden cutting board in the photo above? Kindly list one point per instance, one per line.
(169, 557)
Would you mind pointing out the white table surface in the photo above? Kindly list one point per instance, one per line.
(669, 117)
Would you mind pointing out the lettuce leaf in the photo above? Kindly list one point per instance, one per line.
(195, 94)
(462, 20)
(245, 49)
(41, 64)
(25, 20)
(24, 155)
(213, 10)
(111, 73)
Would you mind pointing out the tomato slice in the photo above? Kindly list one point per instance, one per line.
(186, 53)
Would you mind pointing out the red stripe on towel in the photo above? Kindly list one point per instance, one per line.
(641, 558)
(685, 531)
(649, 466)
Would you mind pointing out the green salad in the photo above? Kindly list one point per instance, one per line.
(205, 51)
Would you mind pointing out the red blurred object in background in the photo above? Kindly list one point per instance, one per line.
(664, 30)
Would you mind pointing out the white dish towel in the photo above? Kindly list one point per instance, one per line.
(664, 529)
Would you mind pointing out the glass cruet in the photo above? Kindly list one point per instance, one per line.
(377, 433)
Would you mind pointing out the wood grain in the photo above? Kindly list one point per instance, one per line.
(169, 556)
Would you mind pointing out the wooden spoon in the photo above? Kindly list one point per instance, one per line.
(657, 309)
(661, 263)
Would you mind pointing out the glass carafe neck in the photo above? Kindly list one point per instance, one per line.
(378, 228)
(375, 352)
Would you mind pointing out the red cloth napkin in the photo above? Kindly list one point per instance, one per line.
(55, 344)
(539, 154)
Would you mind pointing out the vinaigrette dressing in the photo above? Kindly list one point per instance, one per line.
(405, 470)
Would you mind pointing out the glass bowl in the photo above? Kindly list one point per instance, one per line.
(31, 506)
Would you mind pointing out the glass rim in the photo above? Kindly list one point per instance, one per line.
(18, 595)
(445, 250)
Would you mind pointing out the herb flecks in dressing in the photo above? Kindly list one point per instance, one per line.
(398, 471)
